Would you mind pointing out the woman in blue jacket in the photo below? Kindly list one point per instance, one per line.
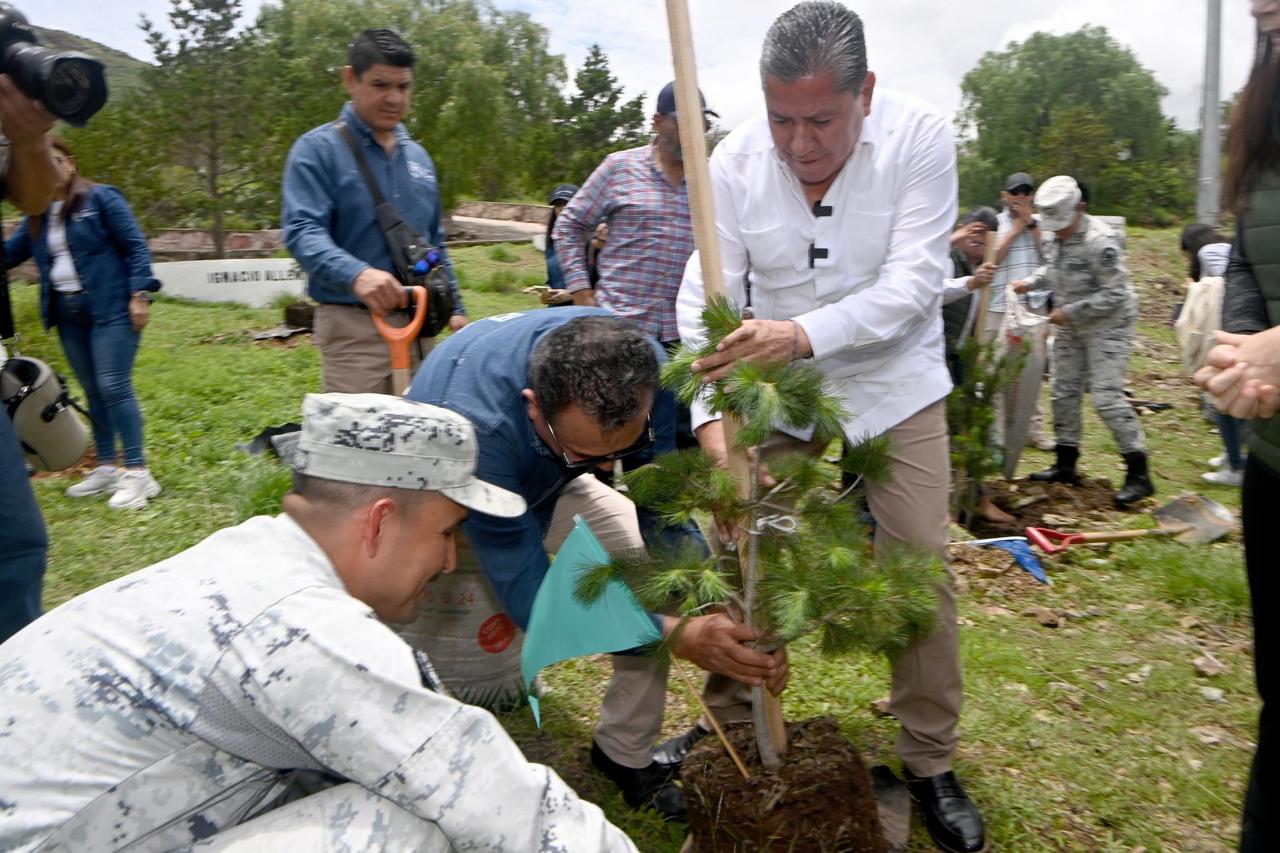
(96, 286)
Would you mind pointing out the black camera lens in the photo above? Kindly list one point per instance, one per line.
(70, 85)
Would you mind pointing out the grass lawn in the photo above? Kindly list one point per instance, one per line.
(1094, 736)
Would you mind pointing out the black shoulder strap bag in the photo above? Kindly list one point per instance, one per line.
(410, 251)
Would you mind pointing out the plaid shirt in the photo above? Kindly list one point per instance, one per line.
(650, 239)
(1023, 259)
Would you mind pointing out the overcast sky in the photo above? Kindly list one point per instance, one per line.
(921, 46)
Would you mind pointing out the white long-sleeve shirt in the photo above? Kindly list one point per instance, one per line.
(870, 307)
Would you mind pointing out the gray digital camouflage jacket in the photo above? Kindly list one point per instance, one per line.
(1087, 275)
(154, 711)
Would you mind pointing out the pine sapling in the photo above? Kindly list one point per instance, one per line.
(805, 563)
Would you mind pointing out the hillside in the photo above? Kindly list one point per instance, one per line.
(123, 71)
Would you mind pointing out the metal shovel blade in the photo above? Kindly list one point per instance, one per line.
(1208, 519)
(893, 804)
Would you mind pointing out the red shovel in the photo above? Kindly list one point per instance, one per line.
(1054, 542)
(399, 338)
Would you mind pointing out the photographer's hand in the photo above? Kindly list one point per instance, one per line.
(25, 120)
(32, 177)
(380, 291)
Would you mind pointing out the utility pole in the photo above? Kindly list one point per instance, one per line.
(1210, 183)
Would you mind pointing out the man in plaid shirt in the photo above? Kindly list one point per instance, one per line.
(642, 196)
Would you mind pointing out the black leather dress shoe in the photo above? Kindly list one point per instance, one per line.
(647, 787)
(670, 754)
(953, 821)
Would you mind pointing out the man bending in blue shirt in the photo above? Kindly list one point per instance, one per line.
(329, 222)
(554, 395)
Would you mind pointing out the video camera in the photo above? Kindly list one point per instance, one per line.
(69, 84)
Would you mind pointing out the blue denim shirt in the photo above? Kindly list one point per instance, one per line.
(479, 372)
(555, 273)
(328, 213)
(108, 249)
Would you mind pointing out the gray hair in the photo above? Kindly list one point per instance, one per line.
(815, 38)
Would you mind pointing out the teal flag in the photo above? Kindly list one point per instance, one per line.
(561, 627)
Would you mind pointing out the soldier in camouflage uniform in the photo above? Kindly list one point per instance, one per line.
(244, 694)
(1096, 313)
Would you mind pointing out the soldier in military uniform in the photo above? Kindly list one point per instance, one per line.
(243, 694)
(1096, 313)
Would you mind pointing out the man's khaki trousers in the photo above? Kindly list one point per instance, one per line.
(354, 358)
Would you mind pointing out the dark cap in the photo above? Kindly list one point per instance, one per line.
(1018, 179)
(563, 192)
(667, 101)
(985, 215)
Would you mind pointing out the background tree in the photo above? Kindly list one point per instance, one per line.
(595, 121)
(199, 87)
(203, 140)
(1076, 104)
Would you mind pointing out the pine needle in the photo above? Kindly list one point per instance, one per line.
(720, 318)
(678, 376)
(870, 459)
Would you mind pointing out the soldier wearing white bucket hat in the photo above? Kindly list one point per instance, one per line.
(242, 695)
(1096, 315)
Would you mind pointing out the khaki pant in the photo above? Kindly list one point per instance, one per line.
(910, 508)
(631, 713)
(353, 357)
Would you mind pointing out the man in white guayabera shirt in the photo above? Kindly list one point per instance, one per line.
(837, 215)
(246, 695)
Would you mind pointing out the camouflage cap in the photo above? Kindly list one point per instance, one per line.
(379, 440)
(1056, 201)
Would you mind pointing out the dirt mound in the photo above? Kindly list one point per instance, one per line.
(820, 800)
(1054, 505)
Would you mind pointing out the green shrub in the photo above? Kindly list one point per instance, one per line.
(501, 254)
(500, 281)
(1164, 218)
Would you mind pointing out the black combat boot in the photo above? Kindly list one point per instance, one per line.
(1062, 471)
(1137, 480)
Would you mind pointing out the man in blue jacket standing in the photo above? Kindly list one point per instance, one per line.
(329, 222)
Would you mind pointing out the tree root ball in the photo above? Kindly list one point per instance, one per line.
(820, 799)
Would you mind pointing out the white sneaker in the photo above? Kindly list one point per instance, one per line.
(1218, 461)
(1224, 478)
(101, 481)
(136, 487)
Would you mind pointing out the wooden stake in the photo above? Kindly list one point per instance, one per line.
(697, 178)
(711, 718)
(984, 297)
